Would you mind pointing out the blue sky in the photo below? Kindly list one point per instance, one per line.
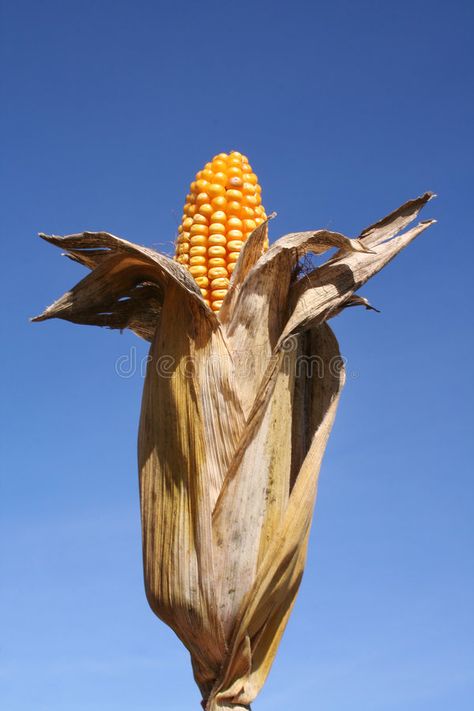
(345, 109)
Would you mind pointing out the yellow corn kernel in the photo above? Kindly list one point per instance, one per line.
(218, 294)
(217, 228)
(218, 164)
(216, 251)
(202, 186)
(234, 208)
(217, 239)
(202, 282)
(216, 305)
(202, 198)
(216, 262)
(250, 178)
(197, 229)
(234, 195)
(198, 270)
(234, 234)
(197, 260)
(216, 190)
(198, 251)
(206, 209)
(234, 223)
(220, 179)
(219, 202)
(219, 216)
(197, 240)
(217, 273)
(220, 283)
(247, 212)
(235, 245)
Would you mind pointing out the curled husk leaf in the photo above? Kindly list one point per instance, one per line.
(236, 412)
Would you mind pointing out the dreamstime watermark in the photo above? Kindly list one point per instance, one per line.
(129, 365)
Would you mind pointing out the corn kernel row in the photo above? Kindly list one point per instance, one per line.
(222, 209)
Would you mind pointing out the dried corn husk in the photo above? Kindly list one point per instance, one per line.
(237, 408)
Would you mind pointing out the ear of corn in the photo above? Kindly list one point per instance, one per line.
(222, 209)
(236, 412)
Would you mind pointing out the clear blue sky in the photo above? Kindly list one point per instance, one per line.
(346, 109)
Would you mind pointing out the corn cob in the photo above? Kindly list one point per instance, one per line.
(222, 209)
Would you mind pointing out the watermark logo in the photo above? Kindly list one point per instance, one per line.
(131, 364)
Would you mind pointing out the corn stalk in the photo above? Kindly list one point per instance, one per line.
(236, 412)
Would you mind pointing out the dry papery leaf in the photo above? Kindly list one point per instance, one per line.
(236, 412)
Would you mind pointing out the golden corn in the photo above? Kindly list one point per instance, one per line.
(222, 209)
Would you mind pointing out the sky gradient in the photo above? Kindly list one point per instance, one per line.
(345, 110)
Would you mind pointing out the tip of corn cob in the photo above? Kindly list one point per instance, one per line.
(222, 209)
